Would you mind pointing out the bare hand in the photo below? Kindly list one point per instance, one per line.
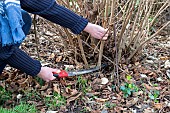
(96, 31)
(46, 73)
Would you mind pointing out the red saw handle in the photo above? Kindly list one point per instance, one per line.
(62, 74)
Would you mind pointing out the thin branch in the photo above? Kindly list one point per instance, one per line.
(69, 36)
(163, 8)
(102, 42)
(82, 50)
(36, 38)
(151, 37)
(105, 57)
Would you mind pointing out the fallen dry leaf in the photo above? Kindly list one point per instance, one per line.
(23, 82)
(2, 84)
(101, 99)
(132, 102)
(158, 105)
(138, 93)
(44, 87)
(92, 93)
(56, 88)
(73, 98)
(52, 56)
(95, 111)
(59, 58)
(148, 110)
(71, 92)
(49, 91)
(150, 87)
(164, 58)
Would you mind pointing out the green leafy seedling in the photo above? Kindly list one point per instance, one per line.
(154, 95)
(4, 95)
(83, 85)
(56, 100)
(110, 105)
(128, 89)
(128, 77)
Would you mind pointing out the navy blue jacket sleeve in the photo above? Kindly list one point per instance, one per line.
(56, 13)
(17, 58)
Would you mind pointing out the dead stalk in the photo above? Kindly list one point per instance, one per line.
(135, 25)
(112, 22)
(70, 37)
(121, 38)
(64, 2)
(144, 25)
(144, 42)
(110, 61)
(68, 4)
(82, 50)
(164, 7)
(104, 25)
(130, 24)
(36, 38)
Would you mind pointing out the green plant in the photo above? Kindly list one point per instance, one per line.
(22, 108)
(31, 95)
(128, 77)
(40, 81)
(4, 110)
(4, 95)
(82, 83)
(56, 100)
(110, 105)
(128, 89)
(154, 95)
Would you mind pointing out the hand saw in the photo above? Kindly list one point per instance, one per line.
(63, 73)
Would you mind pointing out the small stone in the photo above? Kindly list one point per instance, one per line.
(168, 104)
(159, 79)
(150, 61)
(167, 64)
(114, 98)
(143, 75)
(104, 80)
(19, 96)
(168, 73)
(152, 58)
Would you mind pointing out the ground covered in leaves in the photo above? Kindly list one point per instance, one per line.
(143, 86)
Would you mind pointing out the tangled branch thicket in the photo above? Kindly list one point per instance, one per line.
(131, 23)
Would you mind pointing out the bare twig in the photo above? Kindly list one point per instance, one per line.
(82, 50)
(105, 57)
(143, 24)
(36, 38)
(122, 39)
(69, 36)
(164, 7)
(102, 42)
(151, 37)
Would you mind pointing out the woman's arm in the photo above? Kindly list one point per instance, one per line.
(58, 14)
(17, 58)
